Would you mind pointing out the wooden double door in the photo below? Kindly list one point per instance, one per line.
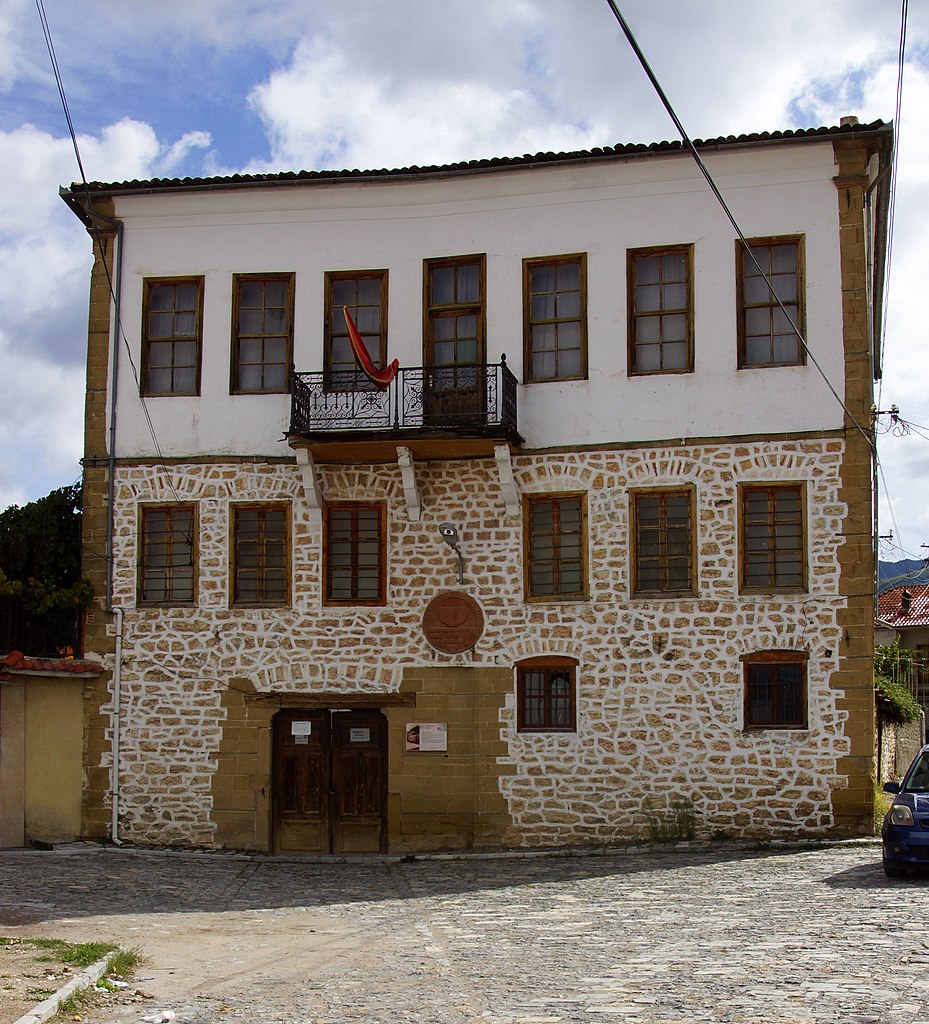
(329, 782)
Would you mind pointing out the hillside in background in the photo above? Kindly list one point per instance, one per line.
(897, 574)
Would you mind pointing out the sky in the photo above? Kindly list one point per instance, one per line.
(207, 87)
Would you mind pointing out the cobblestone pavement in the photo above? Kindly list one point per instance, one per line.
(714, 935)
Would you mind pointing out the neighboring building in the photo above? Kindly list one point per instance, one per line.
(903, 612)
(41, 747)
(657, 615)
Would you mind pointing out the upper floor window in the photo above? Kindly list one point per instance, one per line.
(556, 564)
(364, 292)
(172, 331)
(166, 554)
(260, 555)
(765, 335)
(454, 311)
(773, 547)
(355, 562)
(262, 340)
(660, 306)
(775, 690)
(555, 317)
(663, 552)
(546, 695)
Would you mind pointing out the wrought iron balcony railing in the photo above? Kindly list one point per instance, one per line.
(469, 398)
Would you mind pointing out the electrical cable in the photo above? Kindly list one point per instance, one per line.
(725, 207)
(901, 64)
(94, 230)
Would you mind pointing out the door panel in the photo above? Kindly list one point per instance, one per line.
(330, 782)
(360, 782)
(301, 802)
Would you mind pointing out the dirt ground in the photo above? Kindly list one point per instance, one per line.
(27, 978)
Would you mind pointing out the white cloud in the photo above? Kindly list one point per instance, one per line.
(322, 111)
(45, 259)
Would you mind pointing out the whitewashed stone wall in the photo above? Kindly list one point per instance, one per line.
(659, 683)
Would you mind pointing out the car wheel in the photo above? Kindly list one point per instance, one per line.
(893, 872)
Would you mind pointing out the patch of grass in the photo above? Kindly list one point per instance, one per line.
(74, 954)
(38, 994)
(123, 963)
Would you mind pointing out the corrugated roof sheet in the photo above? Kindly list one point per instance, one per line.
(491, 163)
(892, 605)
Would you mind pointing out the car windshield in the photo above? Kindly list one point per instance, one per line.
(917, 778)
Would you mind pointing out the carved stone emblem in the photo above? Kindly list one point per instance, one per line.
(453, 622)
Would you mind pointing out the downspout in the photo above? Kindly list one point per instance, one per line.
(117, 713)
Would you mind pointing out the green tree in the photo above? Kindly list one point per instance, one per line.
(893, 666)
(41, 588)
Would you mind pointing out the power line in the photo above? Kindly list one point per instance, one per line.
(93, 217)
(901, 64)
(725, 207)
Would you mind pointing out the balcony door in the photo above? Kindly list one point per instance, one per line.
(454, 354)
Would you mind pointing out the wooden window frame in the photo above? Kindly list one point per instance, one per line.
(530, 500)
(636, 588)
(770, 242)
(237, 336)
(432, 311)
(772, 587)
(793, 659)
(580, 259)
(263, 601)
(143, 535)
(632, 256)
(332, 316)
(549, 666)
(381, 598)
(149, 284)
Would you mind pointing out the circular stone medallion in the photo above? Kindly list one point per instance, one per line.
(453, 622)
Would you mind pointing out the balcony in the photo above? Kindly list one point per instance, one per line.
(437, 412)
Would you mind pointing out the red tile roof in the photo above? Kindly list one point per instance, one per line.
(16, 663)
(892, 605)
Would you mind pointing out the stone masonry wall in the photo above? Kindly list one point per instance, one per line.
(660, 686)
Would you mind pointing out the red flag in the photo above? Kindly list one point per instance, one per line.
(380, 378)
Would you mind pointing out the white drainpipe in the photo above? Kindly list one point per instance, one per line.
(117, 711)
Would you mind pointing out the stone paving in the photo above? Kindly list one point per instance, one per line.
(716, 935)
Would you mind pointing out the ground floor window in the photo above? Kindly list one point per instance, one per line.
(775, 690)
(546, 695)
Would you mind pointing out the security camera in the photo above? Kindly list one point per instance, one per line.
(449, 534)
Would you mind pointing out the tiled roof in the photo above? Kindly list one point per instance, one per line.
(891, 604)
(16, 663)
(492, 163)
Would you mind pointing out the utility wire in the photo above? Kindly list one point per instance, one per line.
(722, 202)
(901, 64)
(121, 334)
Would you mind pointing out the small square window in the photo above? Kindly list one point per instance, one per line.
(546, 695)
(775, 690)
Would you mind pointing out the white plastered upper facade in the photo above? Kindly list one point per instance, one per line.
(598, 208)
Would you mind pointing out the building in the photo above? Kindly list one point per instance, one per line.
(903, 617)
(595, 567)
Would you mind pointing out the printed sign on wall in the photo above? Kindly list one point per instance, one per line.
(427, 736)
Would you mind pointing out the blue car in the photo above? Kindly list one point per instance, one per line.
(905, 833)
